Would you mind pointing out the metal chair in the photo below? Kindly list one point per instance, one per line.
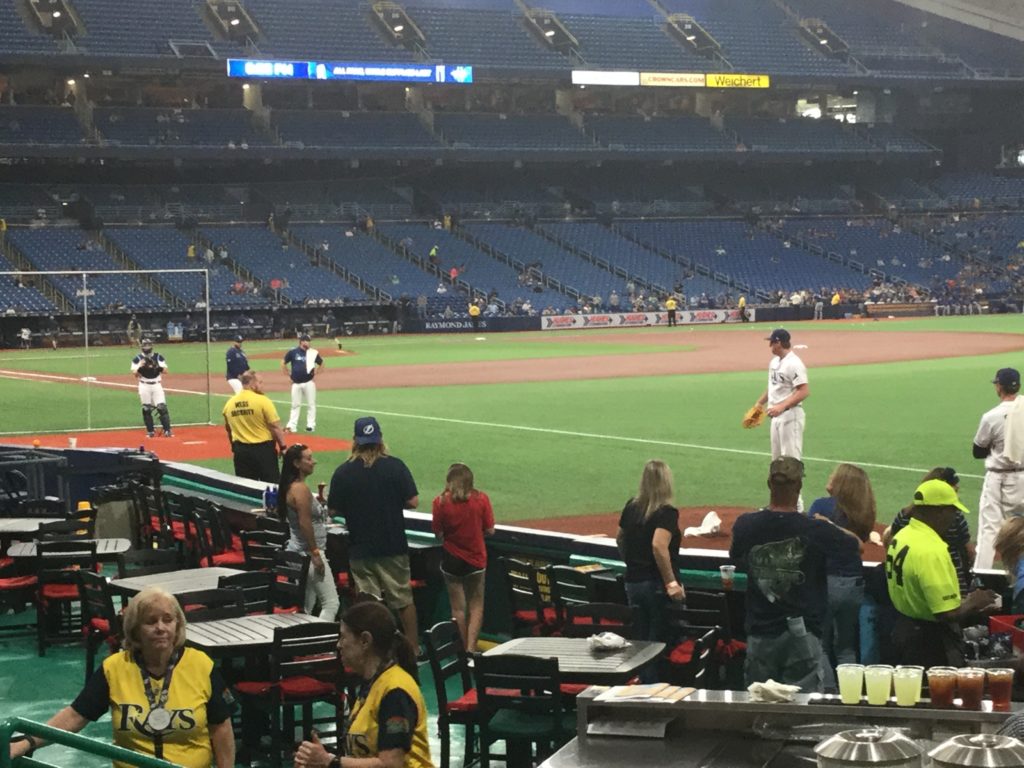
(257, 588)
(521, 703)
(531, 614)
(100, 619)
(212, 605)
(58, 601)
(143, 562)
(258, 548)
(208, 543)
(568, 587)
(448, 660)
(291, 572)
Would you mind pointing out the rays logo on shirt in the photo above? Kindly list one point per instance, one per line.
(132, 717)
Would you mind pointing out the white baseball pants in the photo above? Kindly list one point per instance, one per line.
(236, 385)
(151, 393)
(302, 392)
(788, 434)
(1002, 497)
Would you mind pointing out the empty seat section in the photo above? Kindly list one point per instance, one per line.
(19, 294)
(496, 132)
(144, 126)
(799, 135)
(631, 43)
(658, 134)
(355, 130)
(261, 252)
(144, 28)
(39, 125)
(165, 248)
(56, 249)
(16, 37)
(342, 199)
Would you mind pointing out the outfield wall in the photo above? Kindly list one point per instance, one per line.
(567, 322)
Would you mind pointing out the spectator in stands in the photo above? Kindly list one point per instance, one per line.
(421, 306)
(190, 252)
(923, 584)
(850, 504)
(441, 289)
(1009, 546)
(648, 540)
(613, 301)
(371, 491)
(784, 554)
(462, 517)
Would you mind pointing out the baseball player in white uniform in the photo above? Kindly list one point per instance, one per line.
(304, 363)
(1002, 493)
(149, 367)
(787, 389)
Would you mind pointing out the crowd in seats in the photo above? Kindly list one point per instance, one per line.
(357, 130)
(71, 249)
(146, 126)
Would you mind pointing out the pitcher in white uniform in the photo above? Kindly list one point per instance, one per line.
(787, 389)
(998, 441)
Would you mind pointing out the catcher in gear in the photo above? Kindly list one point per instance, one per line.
(754, 417)
(149, 367)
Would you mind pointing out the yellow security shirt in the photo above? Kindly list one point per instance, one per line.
(920, 574)
(670, 304)
(248, 413)
(195, 700)
(390, 715)
(474, 310)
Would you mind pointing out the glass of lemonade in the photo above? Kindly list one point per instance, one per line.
(878, 681)
(851, 682)
(907, 682)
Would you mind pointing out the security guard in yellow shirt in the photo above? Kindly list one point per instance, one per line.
(474, 315)
(670, 307)
(253, 428)
(923, 583)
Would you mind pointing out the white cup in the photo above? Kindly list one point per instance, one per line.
(72, 442)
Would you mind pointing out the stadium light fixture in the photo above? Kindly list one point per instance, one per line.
(71, 81)
(235, 22)
(549, 33)
(245, 86)
(824, 41)
(690, 38)
(399, 27)
(86, 75)
(56, 14)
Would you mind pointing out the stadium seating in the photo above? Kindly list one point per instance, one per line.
(39, 125)
(164, 248)
(481, 37)
(61, 248)
(749, 256)
(321, 29)
(615, 42)
(334, 199)
(895, 140)
(15, 37)
(658, 134)
(991, 237)
(504, 132)
(799, 135)
(353, 130)
(970, 190)
(25, 299)
(145, 28)
(261, 252)
(143, 126)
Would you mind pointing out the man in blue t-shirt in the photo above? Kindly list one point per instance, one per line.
(301, 365)
(784, 555)
(237, 364)
(371, 491)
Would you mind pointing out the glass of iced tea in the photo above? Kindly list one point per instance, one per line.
(942, 686)
(970, 682)
(1000, 687)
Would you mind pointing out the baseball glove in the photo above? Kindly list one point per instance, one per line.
(753, 418)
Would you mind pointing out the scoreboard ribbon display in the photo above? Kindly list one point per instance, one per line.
(458, 74)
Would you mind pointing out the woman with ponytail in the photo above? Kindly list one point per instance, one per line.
(387, 726)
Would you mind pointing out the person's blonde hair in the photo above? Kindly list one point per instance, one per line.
(1009, 544)
(655, 487)
(368, 454)
(459, 482)
(135, 615)
(855, 498)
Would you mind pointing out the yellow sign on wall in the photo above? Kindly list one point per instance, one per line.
(733, 80)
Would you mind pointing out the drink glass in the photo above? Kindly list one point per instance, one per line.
(971, 684)
(1000, 686)
(728, 573)
(907, 682)
(942, 686)
(878, 681)
(851, 682)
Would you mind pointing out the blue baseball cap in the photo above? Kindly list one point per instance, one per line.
(367, 432)
(239, 338)
(1008, 379)
(780, 335)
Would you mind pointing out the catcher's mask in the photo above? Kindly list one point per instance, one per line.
(147, 345)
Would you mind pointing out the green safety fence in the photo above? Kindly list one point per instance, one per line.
(688, 577)
(75, 741)
(191, 485)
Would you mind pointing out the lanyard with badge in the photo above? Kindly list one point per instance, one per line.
(158, 721)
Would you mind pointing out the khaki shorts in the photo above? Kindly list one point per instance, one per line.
(386, 578)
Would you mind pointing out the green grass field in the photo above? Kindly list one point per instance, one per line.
(577, 447)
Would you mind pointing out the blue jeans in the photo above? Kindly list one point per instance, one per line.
(793, 657)
(841, 629)
(650, 601)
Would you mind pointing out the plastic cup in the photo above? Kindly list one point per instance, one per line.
(970, 682)
(1000, 687)
(72, 442)
(878, 681)
(907, 683)
(851, 682)
(942, 686)
(728, 573)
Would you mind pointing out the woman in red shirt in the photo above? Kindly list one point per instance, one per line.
(462, 517)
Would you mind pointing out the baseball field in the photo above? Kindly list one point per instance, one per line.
(558, 425)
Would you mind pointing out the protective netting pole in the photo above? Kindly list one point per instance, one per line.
(209, 391)
(88, 378)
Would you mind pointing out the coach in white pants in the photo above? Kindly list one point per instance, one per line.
(998, 441)
(301, 364)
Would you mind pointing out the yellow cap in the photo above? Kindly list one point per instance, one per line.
(83, 505)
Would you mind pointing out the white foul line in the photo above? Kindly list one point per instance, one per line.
(494, 425)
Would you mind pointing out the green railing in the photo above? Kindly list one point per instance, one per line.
(170, 481)
(57, 736)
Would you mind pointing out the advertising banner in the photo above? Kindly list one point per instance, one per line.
(641, 319)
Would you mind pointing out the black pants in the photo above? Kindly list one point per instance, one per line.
(927, 643)
(257, 461)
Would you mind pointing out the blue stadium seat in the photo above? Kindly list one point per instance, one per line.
(24, 299)
(144, 126)
(39, 125)
(503, 132)
(353, 130)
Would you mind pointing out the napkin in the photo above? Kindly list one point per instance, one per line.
(710, 526)
(607, 641)
(772, 691)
